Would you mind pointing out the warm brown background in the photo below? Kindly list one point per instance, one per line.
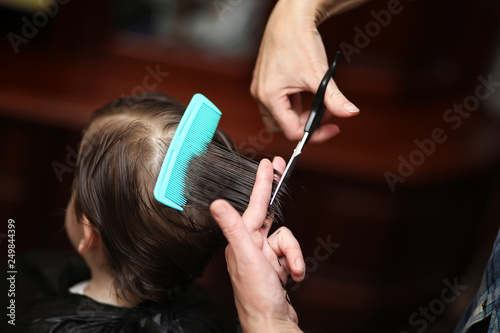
(396, 249)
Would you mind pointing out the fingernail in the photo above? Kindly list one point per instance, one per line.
(349, 107)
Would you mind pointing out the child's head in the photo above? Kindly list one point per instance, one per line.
(150, 249)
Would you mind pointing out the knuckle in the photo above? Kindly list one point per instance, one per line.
(283, 229)
(335, 93)
(254, 89)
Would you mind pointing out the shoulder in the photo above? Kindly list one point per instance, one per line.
(44, 304)
(78, 313)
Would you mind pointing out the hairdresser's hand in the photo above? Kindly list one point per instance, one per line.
(292, 60)
(257, 264)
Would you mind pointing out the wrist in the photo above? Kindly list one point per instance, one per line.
(295, 12)
(271, 326)
(262, 318)
(317, 11)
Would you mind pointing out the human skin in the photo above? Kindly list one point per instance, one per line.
(257, 264)
(90, 246)
(292, 60)
(278, 256)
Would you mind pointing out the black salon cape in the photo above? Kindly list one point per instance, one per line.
(44, 304)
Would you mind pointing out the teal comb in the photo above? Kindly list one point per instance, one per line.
(194, 132)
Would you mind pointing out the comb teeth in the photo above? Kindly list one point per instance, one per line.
(198, 137)
(194, 132)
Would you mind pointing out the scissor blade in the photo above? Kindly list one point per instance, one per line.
(290, 166)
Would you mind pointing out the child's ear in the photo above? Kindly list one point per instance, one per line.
(90, 237)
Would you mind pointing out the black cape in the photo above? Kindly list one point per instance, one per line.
(44, 304)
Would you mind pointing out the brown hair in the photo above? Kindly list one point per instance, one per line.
(153, 250)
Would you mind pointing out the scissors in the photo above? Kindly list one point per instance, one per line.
(317, 110)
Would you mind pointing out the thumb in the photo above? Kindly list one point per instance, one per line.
(232, 225)
(336, 103)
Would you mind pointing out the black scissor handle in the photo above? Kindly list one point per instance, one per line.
(318, 107)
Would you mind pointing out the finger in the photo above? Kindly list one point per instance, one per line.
(256, 213)
(282, 268)
(234, 229)
(279, 164)
(286, 112)
(337, 103)
(264, 230)
(279, 264)
(324, 132)
(283, 243)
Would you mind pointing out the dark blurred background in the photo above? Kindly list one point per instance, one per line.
(390, 250)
